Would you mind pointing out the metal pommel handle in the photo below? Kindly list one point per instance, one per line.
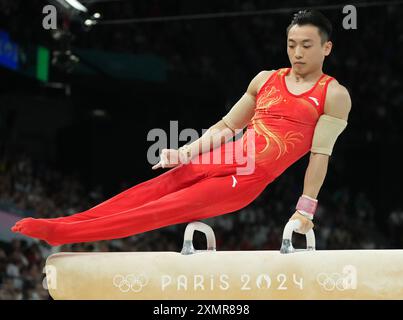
(286, 244)
(188, 238)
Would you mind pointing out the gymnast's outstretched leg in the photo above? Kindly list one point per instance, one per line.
(212, 196)
(173, 180)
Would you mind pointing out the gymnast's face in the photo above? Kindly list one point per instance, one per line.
(305, 48)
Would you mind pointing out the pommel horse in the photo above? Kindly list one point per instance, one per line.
(290, 274)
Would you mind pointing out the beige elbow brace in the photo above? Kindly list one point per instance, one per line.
(240, 114)
(327, 130)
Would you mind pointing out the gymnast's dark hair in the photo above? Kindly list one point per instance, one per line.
(315, 18)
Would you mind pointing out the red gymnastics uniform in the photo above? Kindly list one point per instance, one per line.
(283, 126)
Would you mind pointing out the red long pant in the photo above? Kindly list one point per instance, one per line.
(185, 193)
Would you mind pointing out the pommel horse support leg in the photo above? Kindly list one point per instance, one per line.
(209, 274)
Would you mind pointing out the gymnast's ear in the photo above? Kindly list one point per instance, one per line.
(327, 48)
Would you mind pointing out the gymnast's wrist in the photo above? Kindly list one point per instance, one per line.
(307, 206)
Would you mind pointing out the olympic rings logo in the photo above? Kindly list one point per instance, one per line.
(341, 282)
(331, 282)
(130, 282)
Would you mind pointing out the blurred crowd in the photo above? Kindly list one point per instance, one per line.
(346, 218)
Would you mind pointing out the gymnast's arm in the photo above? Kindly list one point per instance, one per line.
(336, 111)
(328, 127)
(236, 119)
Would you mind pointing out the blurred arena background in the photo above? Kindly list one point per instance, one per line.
(76, 104)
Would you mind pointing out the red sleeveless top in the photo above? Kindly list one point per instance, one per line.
(284, 122)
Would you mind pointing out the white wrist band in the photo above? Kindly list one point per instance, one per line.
(306, 214)
(185, 154)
